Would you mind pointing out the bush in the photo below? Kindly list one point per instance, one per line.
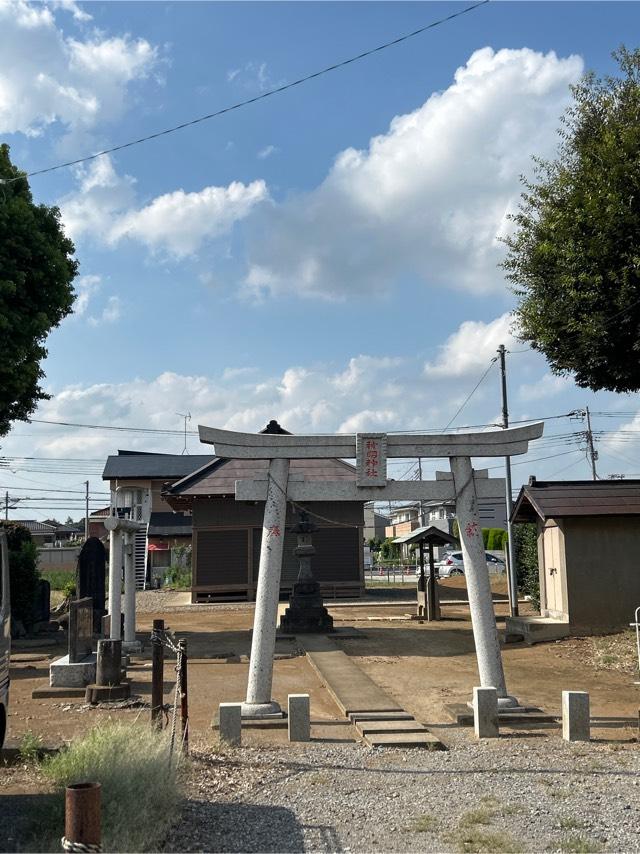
(59, 579)
(525, 539)
(178, 576)
(141, 791)
(23, 571)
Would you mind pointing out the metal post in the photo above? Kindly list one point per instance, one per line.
(115, 583)
(129, 594)
(184, 698)
(259, 703)
(157, 674)
(6, 506)
(512, 568)
(82, 816)
(433, 605)
(86, 510)
(483, 620)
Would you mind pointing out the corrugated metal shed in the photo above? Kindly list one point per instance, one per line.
(556, 499)
(130, 464)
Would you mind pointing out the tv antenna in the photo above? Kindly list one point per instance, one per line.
(187, 417)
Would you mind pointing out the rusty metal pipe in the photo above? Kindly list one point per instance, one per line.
(82, 814)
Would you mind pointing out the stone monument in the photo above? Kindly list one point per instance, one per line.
(306, 613)
(90, 578)
(78, 668)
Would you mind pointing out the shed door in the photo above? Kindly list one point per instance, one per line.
(552, 570)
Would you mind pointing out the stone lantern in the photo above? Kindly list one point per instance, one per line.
(306, 613)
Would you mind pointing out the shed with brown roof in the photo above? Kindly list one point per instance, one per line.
(588, 555)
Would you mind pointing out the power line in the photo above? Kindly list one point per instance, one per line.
(248, 101)
(475, 388)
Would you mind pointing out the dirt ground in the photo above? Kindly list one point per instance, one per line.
(423, 666)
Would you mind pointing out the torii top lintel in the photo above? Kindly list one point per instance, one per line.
(229, 444)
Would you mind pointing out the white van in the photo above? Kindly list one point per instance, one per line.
(5, 634)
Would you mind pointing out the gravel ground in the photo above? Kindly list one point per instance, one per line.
(529, 792)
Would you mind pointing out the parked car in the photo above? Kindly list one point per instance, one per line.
(453, 564)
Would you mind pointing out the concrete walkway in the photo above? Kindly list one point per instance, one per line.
(349, 686)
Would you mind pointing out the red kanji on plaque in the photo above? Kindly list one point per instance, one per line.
(371, 459)
(471, 529)
(273, 531)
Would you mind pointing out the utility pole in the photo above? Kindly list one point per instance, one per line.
(86, 511)
(6, 506)
(593, 454)
(421, 505)
(511, 551)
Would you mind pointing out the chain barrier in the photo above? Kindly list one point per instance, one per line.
(165, 640)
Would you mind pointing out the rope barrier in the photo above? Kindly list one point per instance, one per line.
(82, 847)
(165, 640)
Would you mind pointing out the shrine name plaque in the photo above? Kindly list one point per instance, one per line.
(371, 459)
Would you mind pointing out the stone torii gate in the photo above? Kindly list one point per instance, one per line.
(371, 451)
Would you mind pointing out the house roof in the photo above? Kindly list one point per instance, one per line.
(135, 465)
(219, 477)
(169, 525)
(546, 499)
(36, 527)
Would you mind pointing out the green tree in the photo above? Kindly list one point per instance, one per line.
(525, 538)
(574, 257)
(23, 571)
(36, 293)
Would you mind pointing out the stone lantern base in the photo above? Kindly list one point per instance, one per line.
(306, 613)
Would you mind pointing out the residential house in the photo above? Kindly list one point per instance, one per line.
(136, 480)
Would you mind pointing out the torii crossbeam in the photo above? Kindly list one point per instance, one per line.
(371, 451)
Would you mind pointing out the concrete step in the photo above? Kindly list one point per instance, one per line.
(425, 739)
(536, 629)
(373, 727)
(354, 717)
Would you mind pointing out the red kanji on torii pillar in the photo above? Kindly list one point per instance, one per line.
(371, 451)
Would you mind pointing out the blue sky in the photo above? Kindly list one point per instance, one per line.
(327, 256)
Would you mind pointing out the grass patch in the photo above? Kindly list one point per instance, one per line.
(570, 823)
(424, 823)
(579, 845)
(30, 746)
(480, 815)
(141, 791)
(59, 579)
(474, 840)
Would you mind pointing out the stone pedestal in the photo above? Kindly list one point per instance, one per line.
(299, 723)
(306, 614)
(485, 712)
(576, 721)
(77, 674)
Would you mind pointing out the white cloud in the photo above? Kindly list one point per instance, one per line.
(548, 385)
(429, 197)
(110, 313)
(176, 223)
(252, 76)
(180, 222)
(101, 197)
(86, 287)
(48, 77)
(267, 151)
(470, 347)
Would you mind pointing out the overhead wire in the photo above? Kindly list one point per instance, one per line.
(261, 97)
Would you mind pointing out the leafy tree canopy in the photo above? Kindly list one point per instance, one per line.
(574, 258)
(36, 274)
